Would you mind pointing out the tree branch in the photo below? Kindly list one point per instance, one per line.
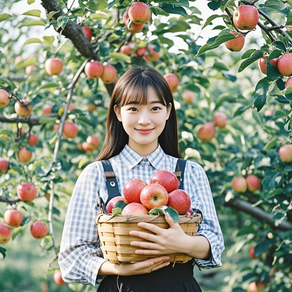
(258, 213)
(9, 200)
(31, 120)
(57, 146)
(72, 30)
(275, 26)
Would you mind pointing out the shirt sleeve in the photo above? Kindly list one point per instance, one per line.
(201, 197)
(80, 256)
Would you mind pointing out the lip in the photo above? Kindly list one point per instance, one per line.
(144, 131)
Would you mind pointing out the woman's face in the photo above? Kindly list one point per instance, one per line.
(144, 123)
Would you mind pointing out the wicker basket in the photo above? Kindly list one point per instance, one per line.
(115, 240)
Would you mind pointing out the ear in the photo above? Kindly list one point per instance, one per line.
(168, 111)
(118, 112)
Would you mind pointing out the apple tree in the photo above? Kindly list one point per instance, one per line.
(233, 100)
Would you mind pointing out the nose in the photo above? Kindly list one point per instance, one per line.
(144, 118)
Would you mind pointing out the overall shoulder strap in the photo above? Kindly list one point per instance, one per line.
(179, 171)
(111, 180)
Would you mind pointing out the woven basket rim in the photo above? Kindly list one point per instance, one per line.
(106, 218)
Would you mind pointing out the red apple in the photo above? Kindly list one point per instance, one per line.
(132, 190)
(235, 45)
(93, 69)
(32, 139)
(263, 66)
(38, 229)
(4, 98)
(112, 202)
(109, 74)
(239, 184)
(22, 109)
(207, 132)
(130, 26)
(246, 17)
(269, 112)
(285, 153)
(180, 201)
(255, 287)
(139, 13)
(53, 66)
(56, 127)
(47, 109)
(288, 82)
(172, 80)
(13, 217)
(151, 55)
(253, 183)
(86, 147)
(188, 96)
(125, 49)
(92, 141)
(154, 196)
(165, 178)
(220, 119)
(58, 278)
(24, 155)
(141, 51)
(251, 253)
(135, 209)
(26, 191)
(285, 64)
(91, 107)
(3, 165)
(189, 212)
(21, 131)
(5, 233)
(70, 130)
(29, 69)
(87, 31)
(18, 59)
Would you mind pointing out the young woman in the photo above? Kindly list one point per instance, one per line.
(141, 138)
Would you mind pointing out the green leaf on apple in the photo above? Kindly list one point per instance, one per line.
(163, 210)
(116, 211)
(120, 204)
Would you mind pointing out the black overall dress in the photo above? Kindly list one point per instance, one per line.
(173, 278)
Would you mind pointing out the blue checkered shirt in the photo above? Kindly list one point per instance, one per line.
(80, 256)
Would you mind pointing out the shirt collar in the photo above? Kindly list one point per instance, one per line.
(131, 158)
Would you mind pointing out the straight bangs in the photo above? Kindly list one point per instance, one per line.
(136, 92)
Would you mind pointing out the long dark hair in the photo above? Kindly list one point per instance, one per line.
(133, 87)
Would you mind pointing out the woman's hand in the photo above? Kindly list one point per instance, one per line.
(138, 268)
(171, 240)
(161, 241)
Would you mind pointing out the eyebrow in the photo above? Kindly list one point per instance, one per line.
(136, 102)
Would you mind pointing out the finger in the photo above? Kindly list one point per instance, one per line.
(143, 235)
(152, 262)
(160, 266)
(170, 221)
(148, 252)
(151, 227)
(145, 244)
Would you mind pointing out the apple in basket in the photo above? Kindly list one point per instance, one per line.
(132, 190)
(154, 196)
(180, 201)
(135, 209)
(165, 178)
(112, 202)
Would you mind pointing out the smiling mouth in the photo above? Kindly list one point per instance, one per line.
(144, 131)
